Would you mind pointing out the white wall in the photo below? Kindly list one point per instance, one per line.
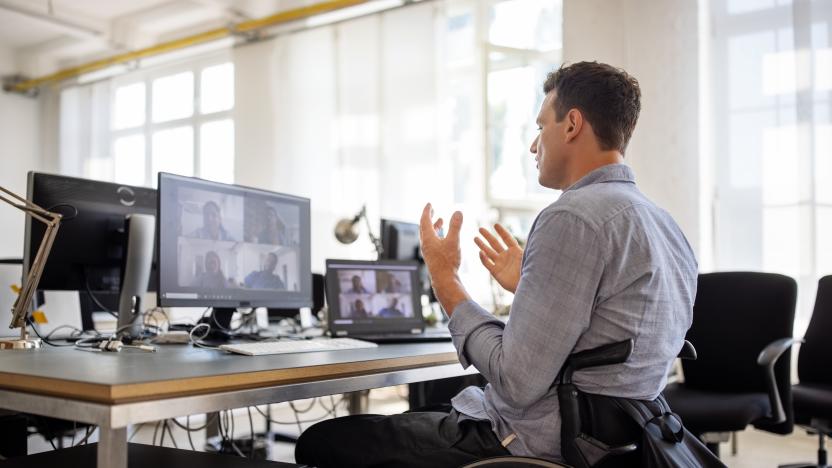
(655, 41)
(20, 153)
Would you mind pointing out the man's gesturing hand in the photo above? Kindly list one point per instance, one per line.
(442, 256)
(501, 260)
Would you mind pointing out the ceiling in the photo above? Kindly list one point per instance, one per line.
(42, 36)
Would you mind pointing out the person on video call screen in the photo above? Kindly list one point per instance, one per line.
(212, 228)
(211, 277)
(265, 278)
(274, 230)
(392, 309)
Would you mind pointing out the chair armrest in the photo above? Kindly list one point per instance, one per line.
(767, 359)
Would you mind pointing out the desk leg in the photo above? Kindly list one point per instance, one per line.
(112, 448)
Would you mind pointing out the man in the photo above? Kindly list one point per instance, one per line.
(602, 264)
(212, 228)
(265, 278)
(392, 309)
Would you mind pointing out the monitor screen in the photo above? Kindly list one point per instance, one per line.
(88, 253)
(228, 246)
(368, 294)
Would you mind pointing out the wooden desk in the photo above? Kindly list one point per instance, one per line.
(114, 390)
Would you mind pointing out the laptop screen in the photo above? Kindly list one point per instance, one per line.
(381, 296)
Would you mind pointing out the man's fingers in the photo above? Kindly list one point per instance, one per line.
(495, 244)
(488, 264)
(426, 225)
(505, 235)
(484, 248)
(454, 227)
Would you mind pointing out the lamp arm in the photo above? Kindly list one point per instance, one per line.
(30, 284)
(376, 241)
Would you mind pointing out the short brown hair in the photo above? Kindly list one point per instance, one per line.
(608, 98)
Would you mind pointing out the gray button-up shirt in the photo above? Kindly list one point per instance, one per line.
(602, 264)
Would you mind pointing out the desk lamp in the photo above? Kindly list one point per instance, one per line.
(347, 233)
(30, 284)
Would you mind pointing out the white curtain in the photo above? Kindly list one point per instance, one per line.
(772, 83)
(351, 114)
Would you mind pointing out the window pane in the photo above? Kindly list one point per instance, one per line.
(514, 99)
(823, 162)
(216, 143)
(173, 97)
(217, 88)
(128, 154)
(824, 232)
(173, 151)
(129, 106)
(781, 240)
(527, 24)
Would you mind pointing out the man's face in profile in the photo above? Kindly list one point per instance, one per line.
(548, 147)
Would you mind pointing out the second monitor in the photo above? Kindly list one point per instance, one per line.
(226, 246)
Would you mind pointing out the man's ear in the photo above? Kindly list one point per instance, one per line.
(574, 124)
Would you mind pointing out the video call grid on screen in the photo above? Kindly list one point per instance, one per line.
(224, 243)
(367, 292)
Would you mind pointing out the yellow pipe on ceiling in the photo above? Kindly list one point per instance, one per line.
(207, 36)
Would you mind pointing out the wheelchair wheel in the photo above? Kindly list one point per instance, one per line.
(514, 462)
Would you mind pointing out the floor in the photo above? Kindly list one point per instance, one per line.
(755, 448)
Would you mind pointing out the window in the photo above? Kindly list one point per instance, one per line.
(523, 44)
(772, 158)
(174, 120)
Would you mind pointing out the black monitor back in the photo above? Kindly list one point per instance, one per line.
(400, 240)
(89, 248)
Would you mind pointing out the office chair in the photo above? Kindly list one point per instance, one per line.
(742, 327)
(599, 431)
(813, 395)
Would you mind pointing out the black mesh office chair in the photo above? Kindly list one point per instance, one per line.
(742, 327)
(813, 395)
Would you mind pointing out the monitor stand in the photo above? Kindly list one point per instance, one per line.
(220, 322)
(138, 261)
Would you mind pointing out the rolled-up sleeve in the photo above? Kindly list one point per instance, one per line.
(562, 268)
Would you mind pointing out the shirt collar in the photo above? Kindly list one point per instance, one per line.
(608, 173)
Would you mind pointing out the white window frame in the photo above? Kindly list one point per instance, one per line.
(195, 121)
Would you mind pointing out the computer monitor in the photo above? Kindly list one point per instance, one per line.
(90, 250)
(400, 240)
(227, 247)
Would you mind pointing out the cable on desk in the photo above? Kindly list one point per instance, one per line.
(196, 341)
(93, 297)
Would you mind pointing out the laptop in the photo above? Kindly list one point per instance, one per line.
(378, 301)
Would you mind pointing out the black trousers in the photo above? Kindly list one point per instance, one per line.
(414, 439)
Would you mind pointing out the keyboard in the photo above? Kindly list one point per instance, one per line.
(261, 348)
